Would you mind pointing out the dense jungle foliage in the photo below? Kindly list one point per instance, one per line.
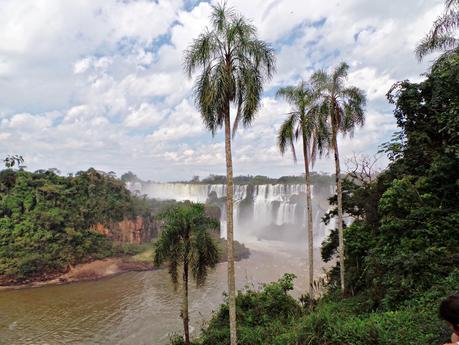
(404, 236)
(271, 316)
(401, 248)
(45, 219)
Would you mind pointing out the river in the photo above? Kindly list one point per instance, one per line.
(133, 308)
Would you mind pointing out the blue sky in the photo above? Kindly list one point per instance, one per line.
(99, 83)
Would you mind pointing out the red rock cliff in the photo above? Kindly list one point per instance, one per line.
(137, 230)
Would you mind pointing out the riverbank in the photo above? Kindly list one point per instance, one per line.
(93, 270)
(108, 267)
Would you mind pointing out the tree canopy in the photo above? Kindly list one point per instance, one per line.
(45, 219)
(405, 235)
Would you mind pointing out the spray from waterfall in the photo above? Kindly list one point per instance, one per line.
(261, 212)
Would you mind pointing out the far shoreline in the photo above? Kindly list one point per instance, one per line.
(106, 268)
(90, 271)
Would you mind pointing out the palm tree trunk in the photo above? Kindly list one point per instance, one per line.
(229, 229)
(339, 193)
(310, 229)
(185, 316)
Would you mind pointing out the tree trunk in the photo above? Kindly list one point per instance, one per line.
(185, 316)
(339, 193)
(310, 230)
(229, 229)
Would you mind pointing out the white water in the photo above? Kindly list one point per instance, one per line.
(256, 208)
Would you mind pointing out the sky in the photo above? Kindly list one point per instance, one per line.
(100, 83)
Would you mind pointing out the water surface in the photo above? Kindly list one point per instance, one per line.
(134, 308)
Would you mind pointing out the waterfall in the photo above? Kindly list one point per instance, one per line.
(275, 210)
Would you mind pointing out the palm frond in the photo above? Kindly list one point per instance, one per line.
(201, 52)
(204, 255)
(451, 3)
(429, 45)
(442, 35)
(252, 93)
(184, 240)
(221, 15)
(286, 136)
(289, 94)
(320, 80)
(339, 75)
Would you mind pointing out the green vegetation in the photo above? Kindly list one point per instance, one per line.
(401, 249)
(271, 316)
(405, 236)
(186, 244)
(45, 220)
(234, 66)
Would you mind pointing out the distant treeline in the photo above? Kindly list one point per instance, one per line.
(317, 179)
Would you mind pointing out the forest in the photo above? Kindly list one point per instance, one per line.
(46, 219)
(401, 247)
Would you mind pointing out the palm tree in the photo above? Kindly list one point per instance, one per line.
(442, 36)
(304, 121)
(344, 107)
(234, 65)
(185, 242)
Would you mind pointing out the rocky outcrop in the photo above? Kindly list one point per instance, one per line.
(141, 229)
(136, 231)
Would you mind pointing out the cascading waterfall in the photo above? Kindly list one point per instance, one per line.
(259, 210)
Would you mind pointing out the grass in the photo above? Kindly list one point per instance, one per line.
(146, 255)
(145, 252)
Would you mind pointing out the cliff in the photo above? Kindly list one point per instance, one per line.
(136, 231)
(140, 229)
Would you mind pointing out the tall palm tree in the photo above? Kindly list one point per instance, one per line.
(185, 242)
(307, 122)
(234, 65)
(344, 107)
(443, 34)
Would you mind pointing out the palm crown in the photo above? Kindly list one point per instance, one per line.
(304, 119)
(185, 240)
(234, 65)
(344, 105)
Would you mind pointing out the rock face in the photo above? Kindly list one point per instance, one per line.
(141, 229)
(136, 231)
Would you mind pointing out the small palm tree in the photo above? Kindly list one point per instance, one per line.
(443, 34)
(344, 107)
(234, 65)
(185, 244)
(307, 122)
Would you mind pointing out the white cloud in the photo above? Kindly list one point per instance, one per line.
(375, 86)
(183, 122)
(144, 116)
(101, 83)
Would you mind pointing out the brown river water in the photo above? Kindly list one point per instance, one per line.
(133, 308)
